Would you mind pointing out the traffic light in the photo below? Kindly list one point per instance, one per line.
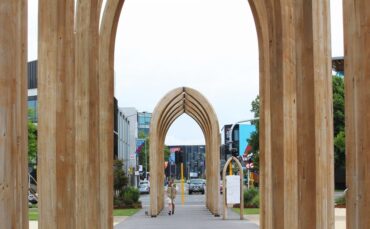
(179, 158)
(234, 152)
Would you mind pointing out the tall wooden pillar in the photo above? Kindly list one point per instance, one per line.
(314, 115)
(296, 114)
(56, 127)
(13, 114)
(71, 164)
(357, 100)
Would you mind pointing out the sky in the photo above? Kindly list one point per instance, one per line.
(209, 45)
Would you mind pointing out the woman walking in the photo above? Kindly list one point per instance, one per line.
(171, 195)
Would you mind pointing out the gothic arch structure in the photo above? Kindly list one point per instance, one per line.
(76, 55)
(169, 108)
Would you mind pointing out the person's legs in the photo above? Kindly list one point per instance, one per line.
(169, 207)
(173, 207)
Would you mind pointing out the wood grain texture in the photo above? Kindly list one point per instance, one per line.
(357, 96)
(296, 138)
(13, 115)
(107, 36)
(56, 78)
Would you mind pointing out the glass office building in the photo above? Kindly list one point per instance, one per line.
(143, 120)
(193, 159)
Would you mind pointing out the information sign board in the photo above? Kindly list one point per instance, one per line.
(233, 189)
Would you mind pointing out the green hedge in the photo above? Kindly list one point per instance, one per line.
(251, 198)
(128, 198)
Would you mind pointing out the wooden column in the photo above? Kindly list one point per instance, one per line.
(314, 115)
(296, 114)
(56, 127)
(357, 98)
(75, 174)
(13, 115)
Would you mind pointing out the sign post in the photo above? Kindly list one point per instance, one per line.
(229, 188)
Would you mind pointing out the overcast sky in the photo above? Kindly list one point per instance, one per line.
(209, 45)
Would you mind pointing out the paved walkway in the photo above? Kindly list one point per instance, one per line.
(185, 217)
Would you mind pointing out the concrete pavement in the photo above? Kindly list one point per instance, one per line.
(187, 216)
(193, 214)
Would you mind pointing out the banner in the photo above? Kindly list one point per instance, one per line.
(139, 145)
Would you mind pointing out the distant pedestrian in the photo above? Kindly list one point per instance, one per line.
(171, 195)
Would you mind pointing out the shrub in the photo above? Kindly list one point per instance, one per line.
(120, 178)
(128, 198)
(251, 198)
(340, 201)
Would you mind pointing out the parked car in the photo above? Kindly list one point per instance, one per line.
(32, 198)
(196, 185)
(144, 187)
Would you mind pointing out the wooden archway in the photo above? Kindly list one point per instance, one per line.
(169, 108)
(76, 81)
(230, 160)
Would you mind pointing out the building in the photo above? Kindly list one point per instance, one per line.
(32, 91)
(338, 65)
(193, 159)
(238, 140)
(143, 120)
(122, 138)
(138, 132)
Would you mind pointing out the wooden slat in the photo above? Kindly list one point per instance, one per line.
(13, 114)
(357, 94)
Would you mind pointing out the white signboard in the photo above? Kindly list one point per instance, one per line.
(233, 189)
(140, 168)
(132, 156)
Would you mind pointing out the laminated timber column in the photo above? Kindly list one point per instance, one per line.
(71, 164)
(56, 130)
(314, 115)
(296, 113)
(86, 112)
(13, 115)
(107, 37)
(357, 95)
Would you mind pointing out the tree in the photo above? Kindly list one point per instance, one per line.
(338, 120)
(253, 140)
(144, 152)
(338, 113)
(32, 140)
(144, 156)
(120, 178)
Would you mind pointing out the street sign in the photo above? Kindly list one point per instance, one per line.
(233, 189)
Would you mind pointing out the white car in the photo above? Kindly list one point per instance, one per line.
(144, 187)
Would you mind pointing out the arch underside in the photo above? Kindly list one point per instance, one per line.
(172, 105)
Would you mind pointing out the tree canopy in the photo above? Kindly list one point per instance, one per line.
(338, 120)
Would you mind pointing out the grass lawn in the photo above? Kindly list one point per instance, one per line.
(248, 211)
(125, 212)
(33, 213)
